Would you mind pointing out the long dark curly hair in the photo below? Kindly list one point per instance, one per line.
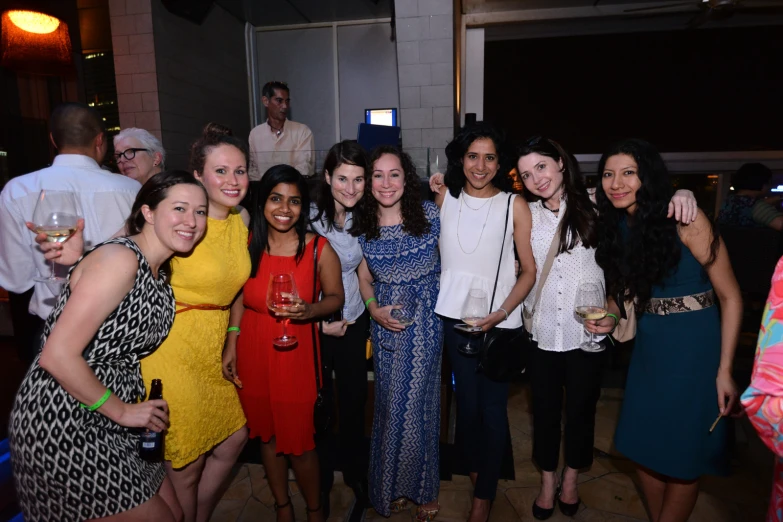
(579, 220)
(414, 220)
(455, 152)
(635, 261)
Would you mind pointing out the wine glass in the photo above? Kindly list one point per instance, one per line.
(280, 295)
(434, 163)
(591, 305)
(475, 308)
(406, 304)
(56, 213)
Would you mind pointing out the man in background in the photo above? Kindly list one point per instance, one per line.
(279, 140)
(77, 132)
(749, 205)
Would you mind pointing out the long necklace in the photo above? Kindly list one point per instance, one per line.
(459, 219)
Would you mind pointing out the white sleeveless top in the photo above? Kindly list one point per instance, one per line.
(469, 257)
(556, 328)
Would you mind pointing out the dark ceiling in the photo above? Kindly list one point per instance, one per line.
(265, 13)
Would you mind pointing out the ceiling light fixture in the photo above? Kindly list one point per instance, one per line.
(33, 22)
(37, 43)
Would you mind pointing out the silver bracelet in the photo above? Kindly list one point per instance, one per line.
(504, 311)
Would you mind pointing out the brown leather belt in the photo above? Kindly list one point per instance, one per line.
(188, 307)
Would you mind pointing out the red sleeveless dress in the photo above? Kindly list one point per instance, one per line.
(278, 386)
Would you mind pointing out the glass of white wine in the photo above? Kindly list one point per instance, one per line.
(475, 308)
(280, 296)
(56, 214)
(591, 305)
(405, 314)
(405, 301)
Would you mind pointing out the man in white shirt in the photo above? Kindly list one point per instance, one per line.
(279, 140)
(77, 132)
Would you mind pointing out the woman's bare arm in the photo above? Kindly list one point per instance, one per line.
(698, 237)
(98, 286)
(523, 223)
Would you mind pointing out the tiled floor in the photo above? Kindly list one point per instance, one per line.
(608, 490)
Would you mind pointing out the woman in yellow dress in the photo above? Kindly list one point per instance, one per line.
(207, 430)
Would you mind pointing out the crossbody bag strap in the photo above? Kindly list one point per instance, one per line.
(312, 325)
(502, 244)
(550, 260)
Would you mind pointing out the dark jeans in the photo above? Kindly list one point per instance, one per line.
(579, 374)
(482, 419)
(347, 357)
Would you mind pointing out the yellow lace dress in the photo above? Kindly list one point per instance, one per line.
(204, 408)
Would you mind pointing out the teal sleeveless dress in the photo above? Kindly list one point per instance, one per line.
(670, 397)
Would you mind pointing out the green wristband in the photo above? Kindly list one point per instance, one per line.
(100, 401)
(616, 319)
(367, 302)
(233, 329)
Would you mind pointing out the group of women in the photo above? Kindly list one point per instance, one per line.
(370, 248)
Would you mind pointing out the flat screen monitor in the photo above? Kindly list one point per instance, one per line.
(387, 117)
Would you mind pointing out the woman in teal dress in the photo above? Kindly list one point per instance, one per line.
(679, 380)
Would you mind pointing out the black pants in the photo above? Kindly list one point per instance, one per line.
(579, 374)
(28, 328)
(482, 420)
(347, 357)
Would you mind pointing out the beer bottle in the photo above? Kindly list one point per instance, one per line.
(151, 442)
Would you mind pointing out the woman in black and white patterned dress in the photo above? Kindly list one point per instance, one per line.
(73, 454)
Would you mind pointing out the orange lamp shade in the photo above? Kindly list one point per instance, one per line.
(36, 43)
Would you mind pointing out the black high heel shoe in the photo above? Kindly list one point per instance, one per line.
(568, 510)
(540, 513)
(545, 513)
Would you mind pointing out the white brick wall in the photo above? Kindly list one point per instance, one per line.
(135, 64)
(425, 61)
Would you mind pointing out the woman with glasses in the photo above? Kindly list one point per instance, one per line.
(139, 154)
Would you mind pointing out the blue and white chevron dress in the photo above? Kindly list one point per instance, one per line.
(406, 424)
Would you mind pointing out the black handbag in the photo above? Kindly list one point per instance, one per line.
(504, 351)
(322, 409)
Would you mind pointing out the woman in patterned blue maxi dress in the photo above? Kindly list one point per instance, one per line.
(402, 267)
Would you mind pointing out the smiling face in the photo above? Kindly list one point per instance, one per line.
(620, 181)
(225, 178)
(144, 164)
(347, 184)
(542, 175)
(179, 221)
(283, 207)
(388, 180)
(480, 163)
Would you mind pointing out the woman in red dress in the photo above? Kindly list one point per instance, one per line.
(278, 385)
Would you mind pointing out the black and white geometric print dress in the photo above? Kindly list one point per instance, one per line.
(71, 464)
